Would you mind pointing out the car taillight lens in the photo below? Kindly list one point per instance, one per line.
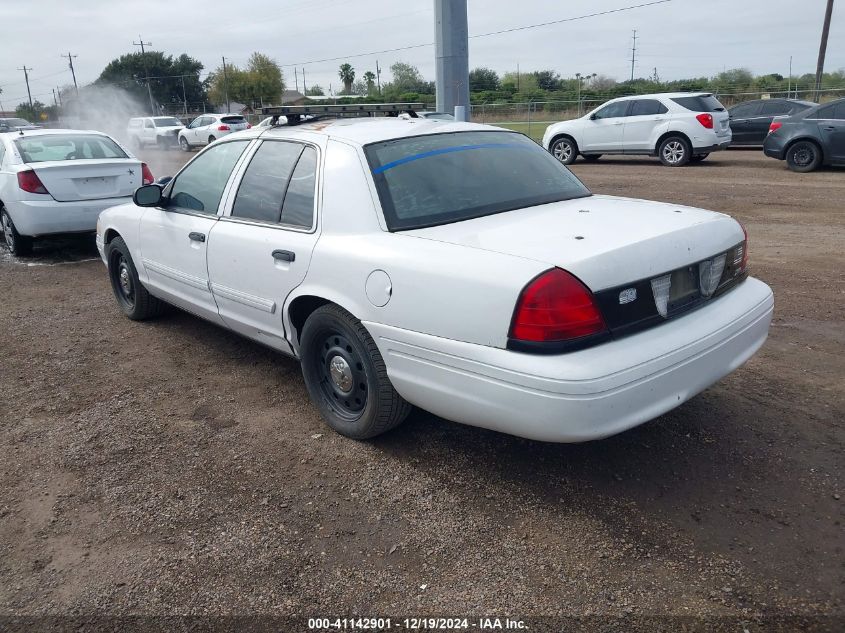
(705, 119)
(775, 126)
(147, 174)
(223, 128)
(555, 306)
(29, 181)
(249, 126)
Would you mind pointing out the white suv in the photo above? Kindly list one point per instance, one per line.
(678, 127)
(207, 128)
(160, 131)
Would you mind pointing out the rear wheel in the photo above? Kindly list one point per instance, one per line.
(565, 150)
(674, 151)
(17, 244)
(132, 297)
(184, 144)
(591, 158)
(346, 375)
(697, 158)
(211, 139)
(804, 156)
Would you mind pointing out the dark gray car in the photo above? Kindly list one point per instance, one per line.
(809, 139)
(750, 120)
(14, 125)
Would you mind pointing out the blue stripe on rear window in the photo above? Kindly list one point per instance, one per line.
(449, 150)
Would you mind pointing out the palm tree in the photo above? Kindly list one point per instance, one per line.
(370, 78)
(347, 76)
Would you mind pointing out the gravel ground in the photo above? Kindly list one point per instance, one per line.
(171, 468)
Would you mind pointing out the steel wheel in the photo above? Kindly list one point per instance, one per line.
(122, 281)
(564, 150)
(343, 380)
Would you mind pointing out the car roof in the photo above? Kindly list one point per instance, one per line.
(365, 130)
(666, 95)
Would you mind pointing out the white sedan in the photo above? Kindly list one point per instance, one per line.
(452, 266)
(58, 181)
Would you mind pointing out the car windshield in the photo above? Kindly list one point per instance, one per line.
(15, 122)
(167, 122)
(700, 103)
(442, 178)
(50, 147)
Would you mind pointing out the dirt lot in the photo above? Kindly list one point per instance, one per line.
(172, 468)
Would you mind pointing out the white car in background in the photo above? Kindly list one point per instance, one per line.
(453, 266)
(679, 128)
(161, 131)
(207, 128)
(58, 181)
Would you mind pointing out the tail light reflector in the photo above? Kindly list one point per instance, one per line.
(775, 126)
(555, 307)
(146, 174)
(705, 119)
(223, 128)
(29, 181)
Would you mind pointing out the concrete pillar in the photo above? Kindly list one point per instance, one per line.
(451, 38)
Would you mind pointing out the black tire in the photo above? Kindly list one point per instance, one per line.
(564, 149)
(211, 139)
(19, 245)
(804, 156)
(346, 375)
(132, 297)
(674, 151)
(591, 158)
(184, 144)
(697, 158)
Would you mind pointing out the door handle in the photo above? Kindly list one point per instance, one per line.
(284, 256)
(196, 237)
(829, 128)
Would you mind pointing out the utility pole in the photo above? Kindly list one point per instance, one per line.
(184, 97)
(142, 43)
(59, 94)
(451, 56)
(226, 84)
(789, 85)
(296, 78)
(517, 76)
(634, 55)
(304, 87)
(823, 47)
(26, 77)
(72, 71)
(55, 103)
(578, 79)
(378, 78)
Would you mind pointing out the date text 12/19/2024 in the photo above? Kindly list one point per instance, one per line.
(415, 624)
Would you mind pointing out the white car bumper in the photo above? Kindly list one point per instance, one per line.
(44, 217)
(582, 395)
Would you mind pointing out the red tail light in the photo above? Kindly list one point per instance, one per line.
(223, 128)
(775, 126)
(147, 174)
(705, 119)
(555, 306)
(249, 126)
(29, 181)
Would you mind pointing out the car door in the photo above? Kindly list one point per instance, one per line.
(643, 117)
(741, 118)
(194, 128)
(261, 247)
(604, 129)
(759, 127)
(204, 131)
(832, 131)
(174, 237)
(149, 132)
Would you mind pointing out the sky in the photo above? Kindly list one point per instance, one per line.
(680, 38)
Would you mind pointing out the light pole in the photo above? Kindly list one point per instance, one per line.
(578, 79)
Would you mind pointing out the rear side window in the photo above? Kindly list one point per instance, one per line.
(298, 209)
(51, 147)
(704, 103)
(262, 189)
(442, 178)
(642, 107)
(200, 185)
(774, 108)
(832, 111)
(745, 110)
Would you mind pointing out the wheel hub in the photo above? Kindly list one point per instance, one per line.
(673, 152)
(341, 373)
(343, 380)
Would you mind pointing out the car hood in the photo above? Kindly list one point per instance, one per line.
(606, 241)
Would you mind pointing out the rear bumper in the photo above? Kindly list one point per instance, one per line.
(35, 218)
(582, 395)
(773, 147)
(709, 149)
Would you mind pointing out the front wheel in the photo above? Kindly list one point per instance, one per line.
(697, 158)
(674, 151)
(17, 244)
(132, 297)
(183, 143)
(346, 375)
(803, 156)
(565, 150)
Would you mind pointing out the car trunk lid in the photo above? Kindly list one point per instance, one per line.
(605, 241)
(69, 181)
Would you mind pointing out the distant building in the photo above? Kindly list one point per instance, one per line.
(293, 97)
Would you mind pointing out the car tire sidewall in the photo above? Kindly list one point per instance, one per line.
(573, 153)
(19, 245)
(183, 143)
(116, 248)
(211, 139)
(795, 148)
(685, 146)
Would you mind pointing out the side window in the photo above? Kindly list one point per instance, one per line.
(744, 111)
(642, 107)
(262, 189)
(298, 209)
(773, 108)
(612, 110)
(148, 124)
(200, 185)
(826, 112)
(839, 111)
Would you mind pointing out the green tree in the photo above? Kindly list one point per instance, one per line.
(129, 73)
(347, 76)
(259, 83)
(483, 79)
(547, 79)
(31, 114)
(315, 91)
(370, 79)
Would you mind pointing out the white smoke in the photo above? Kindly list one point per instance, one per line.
(104, 109)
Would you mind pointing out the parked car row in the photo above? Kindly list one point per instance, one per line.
(165, 132)
(683, 128)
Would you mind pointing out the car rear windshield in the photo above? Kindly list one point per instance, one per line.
(167, 122)
(232, 119)
(49, 147)
(705, 103)
(441, 178)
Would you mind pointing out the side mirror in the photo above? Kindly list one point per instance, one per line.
(593, 117)
(147, 196)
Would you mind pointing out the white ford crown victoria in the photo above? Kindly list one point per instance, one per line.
(452, 266)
